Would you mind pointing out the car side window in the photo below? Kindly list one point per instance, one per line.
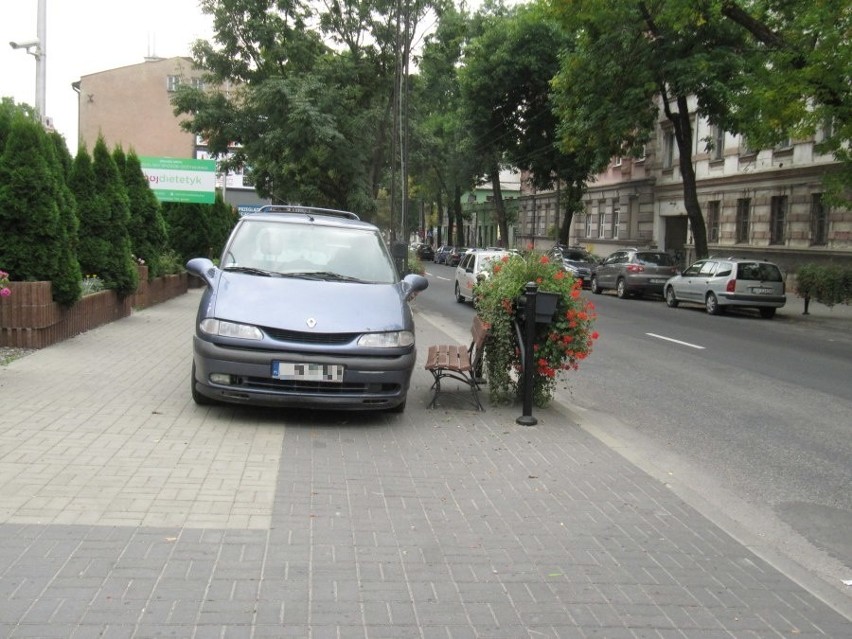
(724, 269)
(693, 270)
(707, 268)
(467, 263)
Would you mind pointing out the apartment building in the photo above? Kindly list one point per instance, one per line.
(765, 203)
(131, 106)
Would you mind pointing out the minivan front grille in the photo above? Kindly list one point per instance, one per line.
(300, 337)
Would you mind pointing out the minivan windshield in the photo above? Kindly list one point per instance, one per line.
(309, 249)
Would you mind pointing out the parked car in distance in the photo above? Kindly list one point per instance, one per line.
(424, 252)
(442, 253)
(720, 284)
(472, 267)
(305, 310)
(455, 256)
(633, 271)
(576, 261)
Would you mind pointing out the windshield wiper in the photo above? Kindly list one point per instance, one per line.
(324, 275)
(250, 270)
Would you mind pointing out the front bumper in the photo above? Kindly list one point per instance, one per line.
(369, 382)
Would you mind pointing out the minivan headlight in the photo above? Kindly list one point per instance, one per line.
(392, 339)
(211, 326)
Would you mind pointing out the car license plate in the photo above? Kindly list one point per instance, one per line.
(307, 372)
(762, 291)
(658, 280)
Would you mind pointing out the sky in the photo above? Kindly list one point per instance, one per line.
(89, 36)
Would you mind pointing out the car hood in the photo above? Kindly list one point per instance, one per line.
(291, 304)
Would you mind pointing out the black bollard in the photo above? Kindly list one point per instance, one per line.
(530, 292)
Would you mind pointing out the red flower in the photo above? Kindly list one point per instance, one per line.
(559, 275)
(595, 335)
(544, 259)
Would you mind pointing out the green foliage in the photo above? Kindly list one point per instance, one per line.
(36, 210)
(147, 227)
(827, 284)
(104, 208)
(199, 230)
(559, 346)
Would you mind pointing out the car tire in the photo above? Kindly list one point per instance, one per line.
(621, 289)
(712, 305)
(767, 313)
(593, 285)
(459, 296)
(671, 300)
(198, 398)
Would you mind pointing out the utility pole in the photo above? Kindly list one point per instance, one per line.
(38, 49)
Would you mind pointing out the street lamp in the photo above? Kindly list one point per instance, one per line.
(37, 49)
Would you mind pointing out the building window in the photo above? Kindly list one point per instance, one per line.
(777, 219)
(601, 220)
(743, 221)
(717, 151)
(819, 220)
(745, 147)
(617, 161)
(588, 224)
(713, 221)
(174, 81)
(616, 220)
(668, 149)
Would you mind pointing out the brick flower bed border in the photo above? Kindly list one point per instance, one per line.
(29, 318)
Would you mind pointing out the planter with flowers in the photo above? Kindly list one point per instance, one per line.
(560, 344)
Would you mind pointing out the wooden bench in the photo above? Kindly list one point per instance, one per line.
(463, 364)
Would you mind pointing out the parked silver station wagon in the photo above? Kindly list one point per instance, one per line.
(719, 284)
(306, 310)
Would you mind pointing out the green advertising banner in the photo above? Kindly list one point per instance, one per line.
(181, 179)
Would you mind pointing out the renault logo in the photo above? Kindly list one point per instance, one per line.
(311, 322)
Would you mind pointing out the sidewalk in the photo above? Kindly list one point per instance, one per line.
(127, 511)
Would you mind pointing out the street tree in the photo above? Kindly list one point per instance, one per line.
(614, 81)
(309, 99)
(799, 86)
(441, 158)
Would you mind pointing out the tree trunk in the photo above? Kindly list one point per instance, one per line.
(499, 206)
(683, 135)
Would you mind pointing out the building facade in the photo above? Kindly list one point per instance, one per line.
(766, 203)
(131, 107)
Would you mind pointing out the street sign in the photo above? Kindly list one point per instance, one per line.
(181, 179)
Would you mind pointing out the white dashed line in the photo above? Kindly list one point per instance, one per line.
(676, 341)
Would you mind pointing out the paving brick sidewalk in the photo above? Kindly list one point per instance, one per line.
(127, 511)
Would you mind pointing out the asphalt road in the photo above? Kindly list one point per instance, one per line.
(753, 415)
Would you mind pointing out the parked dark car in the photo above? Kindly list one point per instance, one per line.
(442, 253)
(425, 252)
(455, 256)
(720, 284)
(305, 310)
(575, 260)
(633, 272)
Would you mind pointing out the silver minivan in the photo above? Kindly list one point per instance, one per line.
(718, 284)
(305, 309)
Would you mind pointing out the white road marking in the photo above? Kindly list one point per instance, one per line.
(676, 341)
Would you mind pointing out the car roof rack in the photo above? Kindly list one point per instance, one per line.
(305, 210)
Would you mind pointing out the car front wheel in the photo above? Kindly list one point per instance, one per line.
(671, 300)
(593, 285)
(712, 305)
(459, 297)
